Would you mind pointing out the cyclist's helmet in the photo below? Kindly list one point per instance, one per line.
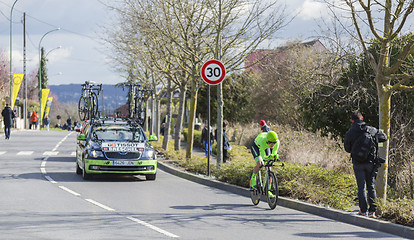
(272, 136)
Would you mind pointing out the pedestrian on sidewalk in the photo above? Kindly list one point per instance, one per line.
(204, 138)
(33, 120)
(8, 116)
(47, 122)
(226, 143)
(365, 160)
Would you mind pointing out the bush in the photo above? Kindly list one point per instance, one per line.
(317, 185)
(399, 211)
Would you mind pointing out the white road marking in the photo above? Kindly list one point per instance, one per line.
(43, 170)
(69, 191)
(50, 179)
(25, 153)
(153, 227)
(100, 205)
(52, 153)
(1, 153)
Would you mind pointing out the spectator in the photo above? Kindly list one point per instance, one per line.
(8, 116)
(33, 120)
(365, 168)
(226, 143)
(204, 138)
(264, 126)
(69, 122)
(47, 122)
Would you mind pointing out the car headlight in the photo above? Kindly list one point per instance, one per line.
(148, 154)
(95, 154)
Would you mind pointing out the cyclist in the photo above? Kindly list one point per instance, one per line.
(261, 147)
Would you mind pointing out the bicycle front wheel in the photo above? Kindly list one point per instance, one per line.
(272, 190)
(83, 108)
(254, 193)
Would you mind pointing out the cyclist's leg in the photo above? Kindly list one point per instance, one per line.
(256, 169)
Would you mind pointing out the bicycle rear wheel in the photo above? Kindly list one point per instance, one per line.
(254, 193)
(272, 187)
(83, 108)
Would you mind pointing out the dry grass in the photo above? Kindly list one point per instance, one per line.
(302, 147)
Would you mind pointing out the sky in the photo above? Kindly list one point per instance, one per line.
(76, 53)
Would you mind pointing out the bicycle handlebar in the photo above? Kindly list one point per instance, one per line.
(271, 163)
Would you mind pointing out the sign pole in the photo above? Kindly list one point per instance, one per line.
(212, 72)
(209, 135)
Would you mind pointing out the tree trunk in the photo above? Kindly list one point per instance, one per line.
(180, 117)
(193, 108)
(157, 116)
(384, 124)
(167, 117)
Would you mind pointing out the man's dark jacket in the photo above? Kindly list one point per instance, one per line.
(357, 129)
(8, 116)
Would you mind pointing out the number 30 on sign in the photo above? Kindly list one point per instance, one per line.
(213, 72)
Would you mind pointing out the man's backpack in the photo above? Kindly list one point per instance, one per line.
(365, 147)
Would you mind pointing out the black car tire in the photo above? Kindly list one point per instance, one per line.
(78, 169)
(85, 175)
(151, 177)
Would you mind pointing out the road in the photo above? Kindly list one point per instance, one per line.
(43, 198)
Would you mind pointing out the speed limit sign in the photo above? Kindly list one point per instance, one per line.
(213, 72)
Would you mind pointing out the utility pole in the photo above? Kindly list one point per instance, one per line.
(219, 92)
(24, 72)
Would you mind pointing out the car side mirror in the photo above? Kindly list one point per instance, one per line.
(153, 138)
(81, 137)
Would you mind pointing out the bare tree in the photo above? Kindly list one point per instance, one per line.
(383, 22)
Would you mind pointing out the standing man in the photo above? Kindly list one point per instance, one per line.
(204, 138)
(69, 122)
(361, 141)
(8, 116)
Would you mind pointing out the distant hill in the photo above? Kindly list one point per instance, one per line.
(113, 97)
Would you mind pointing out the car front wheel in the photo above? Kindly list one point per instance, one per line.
(150, 177)
(85, 175)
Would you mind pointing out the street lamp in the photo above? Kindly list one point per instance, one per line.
(52, 50)
(11, 55)
(40, 77)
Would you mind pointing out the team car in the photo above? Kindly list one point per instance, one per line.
(115, 147)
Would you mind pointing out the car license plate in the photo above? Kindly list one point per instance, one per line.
(123, 163)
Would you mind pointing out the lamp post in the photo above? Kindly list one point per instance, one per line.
(40, 77)
(56, 48)
(11, 54)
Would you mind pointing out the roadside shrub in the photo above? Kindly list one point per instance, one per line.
(399, 211)
(317, 185)
(197, 137)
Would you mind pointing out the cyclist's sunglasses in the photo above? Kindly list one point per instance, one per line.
(271, 142)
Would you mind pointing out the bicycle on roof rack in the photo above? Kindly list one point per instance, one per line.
(137, 103)
(88, 101)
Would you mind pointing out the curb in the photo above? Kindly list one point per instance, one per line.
(334, 214)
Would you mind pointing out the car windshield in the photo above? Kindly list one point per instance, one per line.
(117, 133)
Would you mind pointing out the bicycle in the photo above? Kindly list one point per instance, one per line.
(88, 101)
(263, 189)
(137, 102)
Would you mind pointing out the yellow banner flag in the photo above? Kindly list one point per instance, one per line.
(17, 81)
(48, 104)
(45, 95)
